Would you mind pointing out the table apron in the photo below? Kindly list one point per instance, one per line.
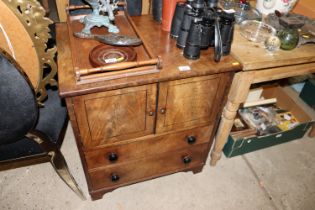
(281, 72)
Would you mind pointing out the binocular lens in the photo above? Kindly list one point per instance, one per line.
(192, 48)
(189, 16)
(181, 40)
(207, 34)
(177, 19)
(227, 38)
(192, 52)
(227, 31)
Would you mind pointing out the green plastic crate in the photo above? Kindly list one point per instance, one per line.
(245, 145)
(241, 146)
(308, 93)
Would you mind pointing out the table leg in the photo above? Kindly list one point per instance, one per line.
(311, 134)
(237, 95)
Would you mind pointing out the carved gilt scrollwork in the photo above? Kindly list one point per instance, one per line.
(32, 15)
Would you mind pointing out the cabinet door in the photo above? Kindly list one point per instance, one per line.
(187, 102)
(116, 115)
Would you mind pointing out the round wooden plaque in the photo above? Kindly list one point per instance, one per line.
(105, 54)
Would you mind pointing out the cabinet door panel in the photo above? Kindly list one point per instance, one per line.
(115, 115)
(187, 102)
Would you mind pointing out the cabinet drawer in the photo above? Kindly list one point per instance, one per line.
(147, 147)
(146, 168)
(112, 116)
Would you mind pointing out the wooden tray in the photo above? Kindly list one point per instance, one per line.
(81, 48)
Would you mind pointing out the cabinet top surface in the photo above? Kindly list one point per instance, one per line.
(160, 44)
(253, 55)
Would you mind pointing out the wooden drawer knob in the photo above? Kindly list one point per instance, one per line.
(112, 157)
(187, 159)
(115, 177)
(151, 113)
(191, 139)
(162, 110)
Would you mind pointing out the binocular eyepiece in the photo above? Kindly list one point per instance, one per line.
(198, 25)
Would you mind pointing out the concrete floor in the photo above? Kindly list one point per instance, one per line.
(276, 178)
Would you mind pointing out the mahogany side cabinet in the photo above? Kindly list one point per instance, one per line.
(141, 127)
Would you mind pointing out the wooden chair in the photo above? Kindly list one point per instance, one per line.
(29, 134)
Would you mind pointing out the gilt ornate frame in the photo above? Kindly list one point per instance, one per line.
(31, 15)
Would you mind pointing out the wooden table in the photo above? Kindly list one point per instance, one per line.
(258, 66)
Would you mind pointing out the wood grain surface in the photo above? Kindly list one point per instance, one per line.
(254, 56)
(116, 115)
(160, 43)
(147, 146)
(152, 166)
(187, 102)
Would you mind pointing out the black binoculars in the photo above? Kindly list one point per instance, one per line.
(199, 24)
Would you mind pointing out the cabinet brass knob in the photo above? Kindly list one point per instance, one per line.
(151, 113)
(115, 177)
(162, 110)
(191, 139)
(187, 159)
(112, 157)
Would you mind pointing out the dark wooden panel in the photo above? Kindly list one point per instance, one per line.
(147, 167)
(107, 116)
(147, 147)
(187, 102)
(113, 116)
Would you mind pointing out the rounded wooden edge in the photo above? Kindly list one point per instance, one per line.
(28, 27)
(126, 53)
(17, 42)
